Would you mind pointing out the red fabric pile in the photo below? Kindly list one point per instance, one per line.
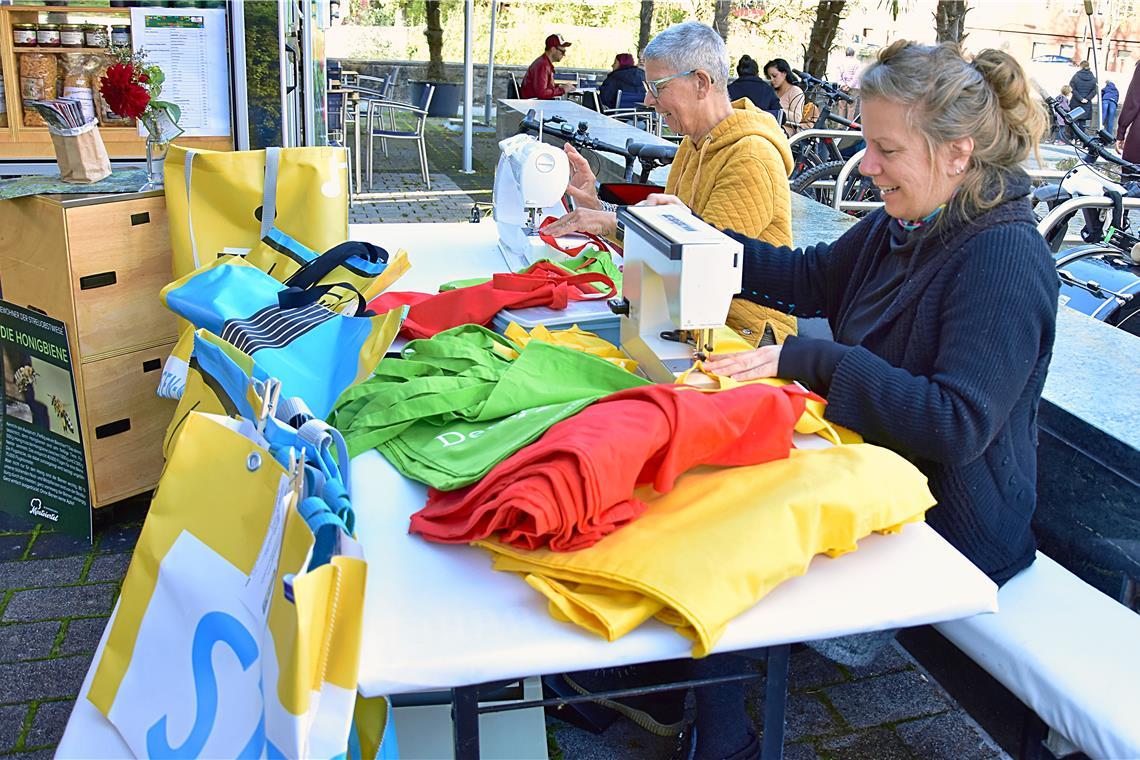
(544, 284)
(575, 485)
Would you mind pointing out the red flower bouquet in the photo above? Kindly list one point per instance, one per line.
(131, 88)
(123, 90)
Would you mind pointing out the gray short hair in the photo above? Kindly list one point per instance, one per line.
(692, 45)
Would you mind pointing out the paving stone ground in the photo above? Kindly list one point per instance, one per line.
(56, 592)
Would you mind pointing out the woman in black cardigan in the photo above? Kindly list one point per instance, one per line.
(943, 303)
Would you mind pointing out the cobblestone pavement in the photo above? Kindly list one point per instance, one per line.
(56, 592)
(887, 710)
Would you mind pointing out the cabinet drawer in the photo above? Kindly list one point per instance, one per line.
(125, 422)
(120, 259)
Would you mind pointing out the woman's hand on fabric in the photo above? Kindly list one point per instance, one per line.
(583, 183)
(601, 223)
(746, 365)
(663, 199)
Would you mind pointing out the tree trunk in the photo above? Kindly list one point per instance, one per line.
(434, 34)
(722, 9)
(950, 20)
(1112, 23)
(645, 28)
(827, 16)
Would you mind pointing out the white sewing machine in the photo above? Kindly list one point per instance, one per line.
(679, 278)
(530, 180)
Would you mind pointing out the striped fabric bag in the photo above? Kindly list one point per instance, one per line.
(314, 350)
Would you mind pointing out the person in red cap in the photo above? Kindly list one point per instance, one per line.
(539, 79)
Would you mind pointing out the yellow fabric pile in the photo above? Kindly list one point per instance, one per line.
(573, 337)
(722, 539)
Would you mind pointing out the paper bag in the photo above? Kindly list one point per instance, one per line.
(81, 154)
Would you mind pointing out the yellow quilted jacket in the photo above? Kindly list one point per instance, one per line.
(737, 179)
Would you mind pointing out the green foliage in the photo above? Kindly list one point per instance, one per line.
(597, 29)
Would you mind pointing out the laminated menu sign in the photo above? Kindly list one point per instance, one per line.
(190, 47)
(43, 472)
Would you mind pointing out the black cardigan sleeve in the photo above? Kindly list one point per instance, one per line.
(805, 282)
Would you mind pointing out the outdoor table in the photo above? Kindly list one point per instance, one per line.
(438, 617)
(602, 127)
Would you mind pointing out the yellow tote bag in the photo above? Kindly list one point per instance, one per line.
(222, 203)
(230, 640)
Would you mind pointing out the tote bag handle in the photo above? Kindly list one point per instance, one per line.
(552, 241)
(297, 298)
(317, 269)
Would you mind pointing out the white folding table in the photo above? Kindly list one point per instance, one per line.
(438, 617)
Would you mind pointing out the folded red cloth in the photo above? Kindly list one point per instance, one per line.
(544, 284)
(575, 485)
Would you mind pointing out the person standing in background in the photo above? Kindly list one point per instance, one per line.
(1059, 128)
(1128, 128)
(1109, 98)
(539, 79)
(848, 81)
(1084, 93)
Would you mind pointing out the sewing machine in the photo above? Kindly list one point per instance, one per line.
(530, 179)
(679, 277)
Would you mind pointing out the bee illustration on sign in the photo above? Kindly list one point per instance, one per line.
(61, 412)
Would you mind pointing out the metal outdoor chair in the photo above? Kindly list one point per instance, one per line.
(512, 86)
(590, 100)
(337, 127)
(632, 110)
(376, 127)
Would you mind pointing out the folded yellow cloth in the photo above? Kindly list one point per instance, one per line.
(725, 341)
(722, 539)
(572, 337)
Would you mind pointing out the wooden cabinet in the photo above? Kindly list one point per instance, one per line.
(18, 141)
(97, 263)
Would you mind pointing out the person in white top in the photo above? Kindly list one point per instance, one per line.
(848, 80)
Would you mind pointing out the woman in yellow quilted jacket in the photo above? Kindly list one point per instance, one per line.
(731, 168)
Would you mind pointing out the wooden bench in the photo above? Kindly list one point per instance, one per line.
(1070, 653)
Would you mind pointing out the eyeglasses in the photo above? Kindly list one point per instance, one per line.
(654, 86)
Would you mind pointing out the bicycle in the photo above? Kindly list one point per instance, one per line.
(1085, 180)
(811, 149)
(1102, 277)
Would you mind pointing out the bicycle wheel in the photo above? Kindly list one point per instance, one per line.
(805, 157)
(818, 182)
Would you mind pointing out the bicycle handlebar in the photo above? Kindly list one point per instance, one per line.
(662, 154)
(579, 138)
(845, 122)
(831, 89)
(1093, 145)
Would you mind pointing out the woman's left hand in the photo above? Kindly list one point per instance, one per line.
(601, 223)
(747, 365)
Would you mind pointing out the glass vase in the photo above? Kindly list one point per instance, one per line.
(155, 154)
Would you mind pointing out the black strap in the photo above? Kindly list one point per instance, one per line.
(1117, 209)
(296, 298)
(317, 269)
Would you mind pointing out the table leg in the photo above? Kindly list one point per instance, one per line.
(775, 699)
(465, 722)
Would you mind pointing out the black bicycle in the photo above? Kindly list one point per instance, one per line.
(814, 151)
(1102, 277)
